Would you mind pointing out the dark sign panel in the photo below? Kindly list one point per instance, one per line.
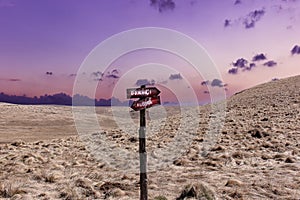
(142, 92)
(145, 103)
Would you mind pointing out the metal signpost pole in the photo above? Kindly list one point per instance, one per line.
(143, 155)
(148, 97)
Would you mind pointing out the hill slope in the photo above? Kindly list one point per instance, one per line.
(256, 156)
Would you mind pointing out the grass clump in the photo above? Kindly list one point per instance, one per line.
(8, 190)
(199, 191)
(160, 197)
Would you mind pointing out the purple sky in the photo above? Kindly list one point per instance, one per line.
(55, 36)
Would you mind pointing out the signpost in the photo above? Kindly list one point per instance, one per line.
(142, 92)
(148, 97)
(145, 103)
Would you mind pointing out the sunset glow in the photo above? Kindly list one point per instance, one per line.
(44, 43)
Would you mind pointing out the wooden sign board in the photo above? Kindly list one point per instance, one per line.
(145, 103)
(142, 92)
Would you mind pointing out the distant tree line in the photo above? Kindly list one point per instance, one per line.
(61, 99)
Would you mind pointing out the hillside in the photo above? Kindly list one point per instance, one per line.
(256, 156)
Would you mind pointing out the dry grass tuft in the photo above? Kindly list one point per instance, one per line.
(233, 182)
(47, 176)
(85, 188)
(51, 177)
(115, 193)
(10, 189)
(236, 195)
(200, 191)
(83, 183)
(18, 143)
(160, 198)
(69, 193)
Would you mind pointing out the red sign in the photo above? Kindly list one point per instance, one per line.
(142, 92)
(145, 103)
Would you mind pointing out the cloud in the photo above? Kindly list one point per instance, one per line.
(14, 79)
(115, 71)
(248, 68)
(217, 83)
(175, 77)
(141, 82)
(252, 65)
(163, 5)
(163, 82)
(214, 83)
(250, 20)
(98, 76)
(259, 57)
(295, 50)
(244, 65)
(288, 9)
(241, 63)
(113, 74)
(204, 82)
(49, 73)
(270, 63)
(193, 2)
(237, 2)
(227, 23)
(10, 79)
(233, 70)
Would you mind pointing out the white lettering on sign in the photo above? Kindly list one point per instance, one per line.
(144, 103)
(146, 92)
